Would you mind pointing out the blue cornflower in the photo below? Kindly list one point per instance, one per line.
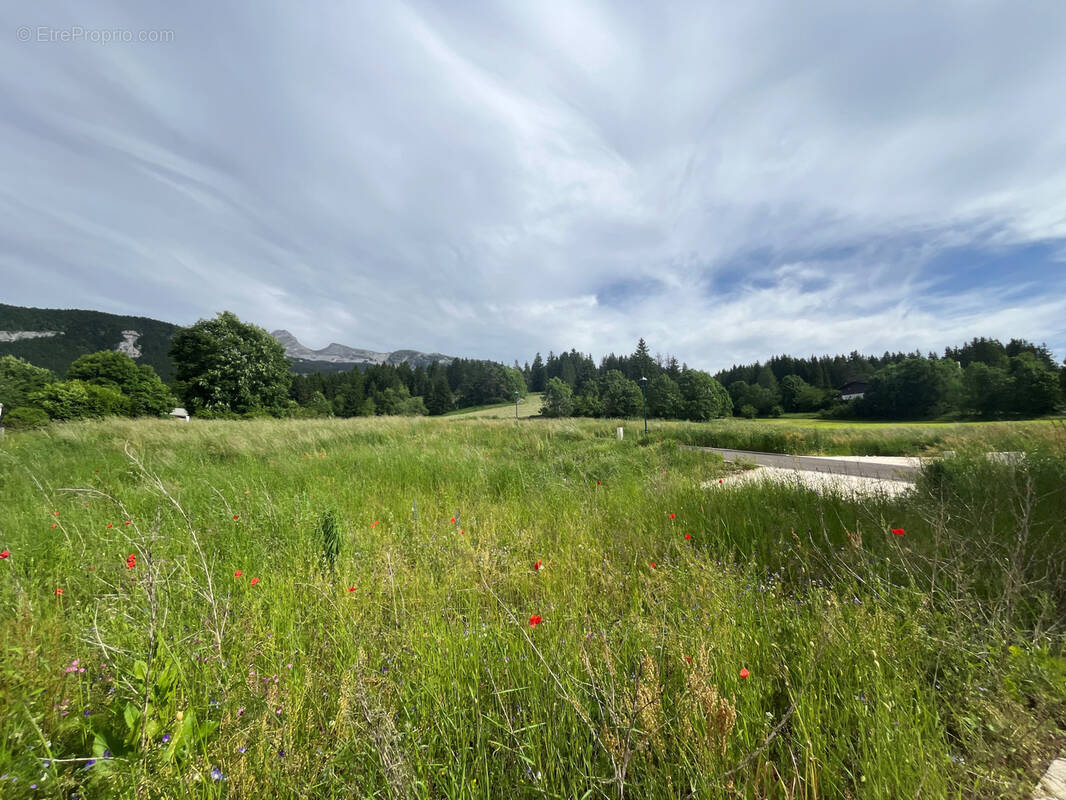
(216, 774)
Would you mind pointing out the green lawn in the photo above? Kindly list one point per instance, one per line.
(528, 406)
(418, 608)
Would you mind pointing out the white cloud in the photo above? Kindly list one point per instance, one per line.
(470, 179)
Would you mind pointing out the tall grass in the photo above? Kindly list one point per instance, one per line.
(387, 650)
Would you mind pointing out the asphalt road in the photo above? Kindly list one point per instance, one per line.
(835, 466)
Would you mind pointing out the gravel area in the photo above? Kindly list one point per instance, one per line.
(850, 485)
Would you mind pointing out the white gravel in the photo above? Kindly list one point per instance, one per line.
(848, 485)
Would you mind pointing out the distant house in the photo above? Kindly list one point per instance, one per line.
(180, 413)
(852, 390)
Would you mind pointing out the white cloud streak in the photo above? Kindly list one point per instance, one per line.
(728, 181)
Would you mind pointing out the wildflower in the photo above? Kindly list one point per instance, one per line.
(461, 530)
(688, 535)
(534, 621)
(672, 515)
(453, 520)
(166, 738)
(216, 774)
(131, 561)
(719, 480)
(109, 525)
(53, 526)
(597, 483)
(237, 574)
(56, 513)
(744, 672)
(242, 749)
(128, 522)
(351, 588)
(653, 565)
(59, 590)
(898, 531)
(537, 566)
(5, 554)
(255, 581)
(89, 763)
(236, 516)
(374, 524)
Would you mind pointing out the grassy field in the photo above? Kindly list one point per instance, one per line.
(479, 609)
(831, 437)
(528, 406)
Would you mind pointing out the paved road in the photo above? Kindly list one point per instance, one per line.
(835, 466)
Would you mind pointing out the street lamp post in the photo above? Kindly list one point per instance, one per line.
(516, 405)
(644, 394)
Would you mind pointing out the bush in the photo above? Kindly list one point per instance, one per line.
(25, 418)
(68, 400)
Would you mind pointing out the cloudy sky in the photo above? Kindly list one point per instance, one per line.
(728, 180)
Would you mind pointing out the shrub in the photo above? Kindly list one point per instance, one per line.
(25, 418)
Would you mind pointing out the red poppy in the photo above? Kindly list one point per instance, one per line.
(898, 531)
(744, 672)
(110, 525)
(688, 535)
(653, 565)
(56, 513)
(5, 554)
(351, 588)
(59, 591)
(672, 515)
(255, 581)
(453, 520)
(534, 621)
(719, 480)
(53, 525)
(462, 530)
(131, 561)
(129, 522)
(537, 566)
(597, 483)
(237, 574)
(236, 516)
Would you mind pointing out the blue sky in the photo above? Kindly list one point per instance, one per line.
(727, 180)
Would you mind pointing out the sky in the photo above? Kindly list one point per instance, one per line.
(727, 180)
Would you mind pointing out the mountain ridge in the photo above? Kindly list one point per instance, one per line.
(335, 354)
(54, 337)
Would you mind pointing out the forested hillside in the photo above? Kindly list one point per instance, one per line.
(81, 332)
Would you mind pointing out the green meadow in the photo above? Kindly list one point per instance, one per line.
(471, 608)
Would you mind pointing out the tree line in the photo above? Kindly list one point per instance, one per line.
(228, 368)
(981, 378)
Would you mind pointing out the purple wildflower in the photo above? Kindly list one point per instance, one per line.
(216, 774)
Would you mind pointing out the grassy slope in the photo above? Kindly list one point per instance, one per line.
(529, 406)
(411, 669)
